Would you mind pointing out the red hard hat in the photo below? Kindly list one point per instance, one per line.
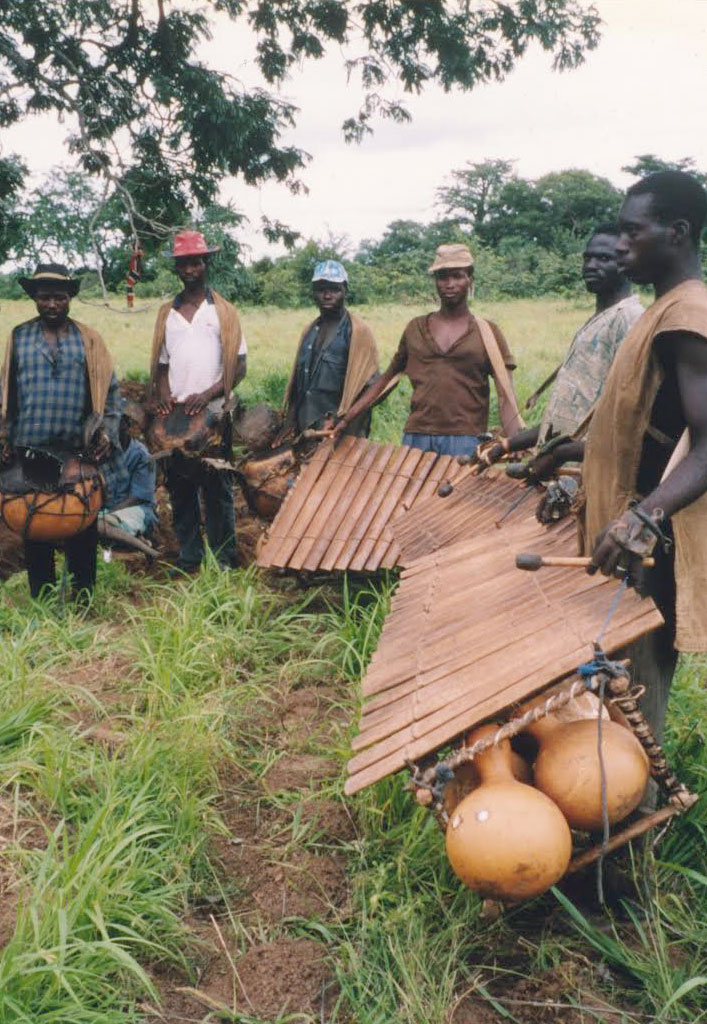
(190, 243)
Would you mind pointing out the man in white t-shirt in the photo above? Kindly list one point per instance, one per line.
(198, 358)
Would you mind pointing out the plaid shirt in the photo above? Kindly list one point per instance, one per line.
(51, 399)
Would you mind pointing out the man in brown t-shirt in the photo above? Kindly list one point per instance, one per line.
(447, 359)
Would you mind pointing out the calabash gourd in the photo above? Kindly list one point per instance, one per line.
(505, 839)
(55, 516)
(466, 778)
(568, 770)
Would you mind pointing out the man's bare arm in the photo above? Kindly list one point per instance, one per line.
(241, 370)
(688, 481)
(368, 397)
(162, 401)
(490, 453)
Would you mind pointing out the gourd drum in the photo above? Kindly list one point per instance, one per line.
(192, 435)
(267, 479)
(505, 839)
(568, 769)
(44, 497)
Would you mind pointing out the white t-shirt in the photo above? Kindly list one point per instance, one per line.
(193, 351)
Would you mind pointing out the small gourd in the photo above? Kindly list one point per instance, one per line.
(568, 770)
(466, 778)
(505, 839)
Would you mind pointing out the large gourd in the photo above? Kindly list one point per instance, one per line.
(66, 504)
(568, 769)
(505, 839)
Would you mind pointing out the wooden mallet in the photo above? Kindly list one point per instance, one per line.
(531, 562)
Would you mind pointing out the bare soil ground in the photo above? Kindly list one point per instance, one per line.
(252, 959)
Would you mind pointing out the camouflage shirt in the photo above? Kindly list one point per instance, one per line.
(582, 375)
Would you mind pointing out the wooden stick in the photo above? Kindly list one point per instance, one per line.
(638, 828)
(532, 562)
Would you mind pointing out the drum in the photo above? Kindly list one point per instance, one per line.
(49, 496)
(258, 427)
(200, 434)
(266, 479)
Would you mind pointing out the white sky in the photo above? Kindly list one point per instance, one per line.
(643, 90)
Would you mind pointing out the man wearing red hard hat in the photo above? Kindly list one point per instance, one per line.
(198, 358)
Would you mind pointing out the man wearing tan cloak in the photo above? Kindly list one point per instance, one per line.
(336, 359)
(58, 385)
(645, 464)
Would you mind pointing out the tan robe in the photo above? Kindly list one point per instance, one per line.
(615, 443)
(230, 327)
(99, 367)
(362, 364)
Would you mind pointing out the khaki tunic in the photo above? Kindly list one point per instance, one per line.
(615, 444)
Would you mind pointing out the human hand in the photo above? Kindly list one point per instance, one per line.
(490, 452)
(337, 431)
(622, 541)
(101, 446)
(196, 402)
(5, 454)
(544, 466)
(160, 406)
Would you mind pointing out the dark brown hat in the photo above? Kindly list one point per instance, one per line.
(50, 273)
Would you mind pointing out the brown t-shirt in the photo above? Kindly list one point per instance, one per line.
(450, 389)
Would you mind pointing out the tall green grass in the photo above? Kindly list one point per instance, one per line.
(126, 828)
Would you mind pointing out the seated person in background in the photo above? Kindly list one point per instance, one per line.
(336, 359)
(579, 380)
(449, 356)
(132, 506)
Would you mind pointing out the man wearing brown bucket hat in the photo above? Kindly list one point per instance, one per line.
(449, 356)
(198, 358)
(60, 394)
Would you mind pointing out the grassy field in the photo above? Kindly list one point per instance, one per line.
(174, 842)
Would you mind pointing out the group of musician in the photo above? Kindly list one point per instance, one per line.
(633, 383)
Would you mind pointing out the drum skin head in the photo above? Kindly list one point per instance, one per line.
(194, 435)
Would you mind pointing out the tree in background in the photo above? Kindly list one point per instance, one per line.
(498, 204)
(162, 128)
(474, 195)
(12, 172)
(648, 163)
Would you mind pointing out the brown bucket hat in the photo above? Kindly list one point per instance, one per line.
(452, 257)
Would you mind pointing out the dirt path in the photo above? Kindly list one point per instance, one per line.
(281, 865)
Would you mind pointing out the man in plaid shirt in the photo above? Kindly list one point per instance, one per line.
(56, 372)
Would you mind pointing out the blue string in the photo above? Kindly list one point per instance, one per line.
(610, 614)
(600, 662)
(600, 665)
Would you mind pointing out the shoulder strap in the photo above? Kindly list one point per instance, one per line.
(500, 374)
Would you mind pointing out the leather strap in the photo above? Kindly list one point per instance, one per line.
(501, 376)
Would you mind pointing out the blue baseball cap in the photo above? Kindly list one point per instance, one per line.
(330, 270)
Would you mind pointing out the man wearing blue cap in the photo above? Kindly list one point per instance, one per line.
(336, 359)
